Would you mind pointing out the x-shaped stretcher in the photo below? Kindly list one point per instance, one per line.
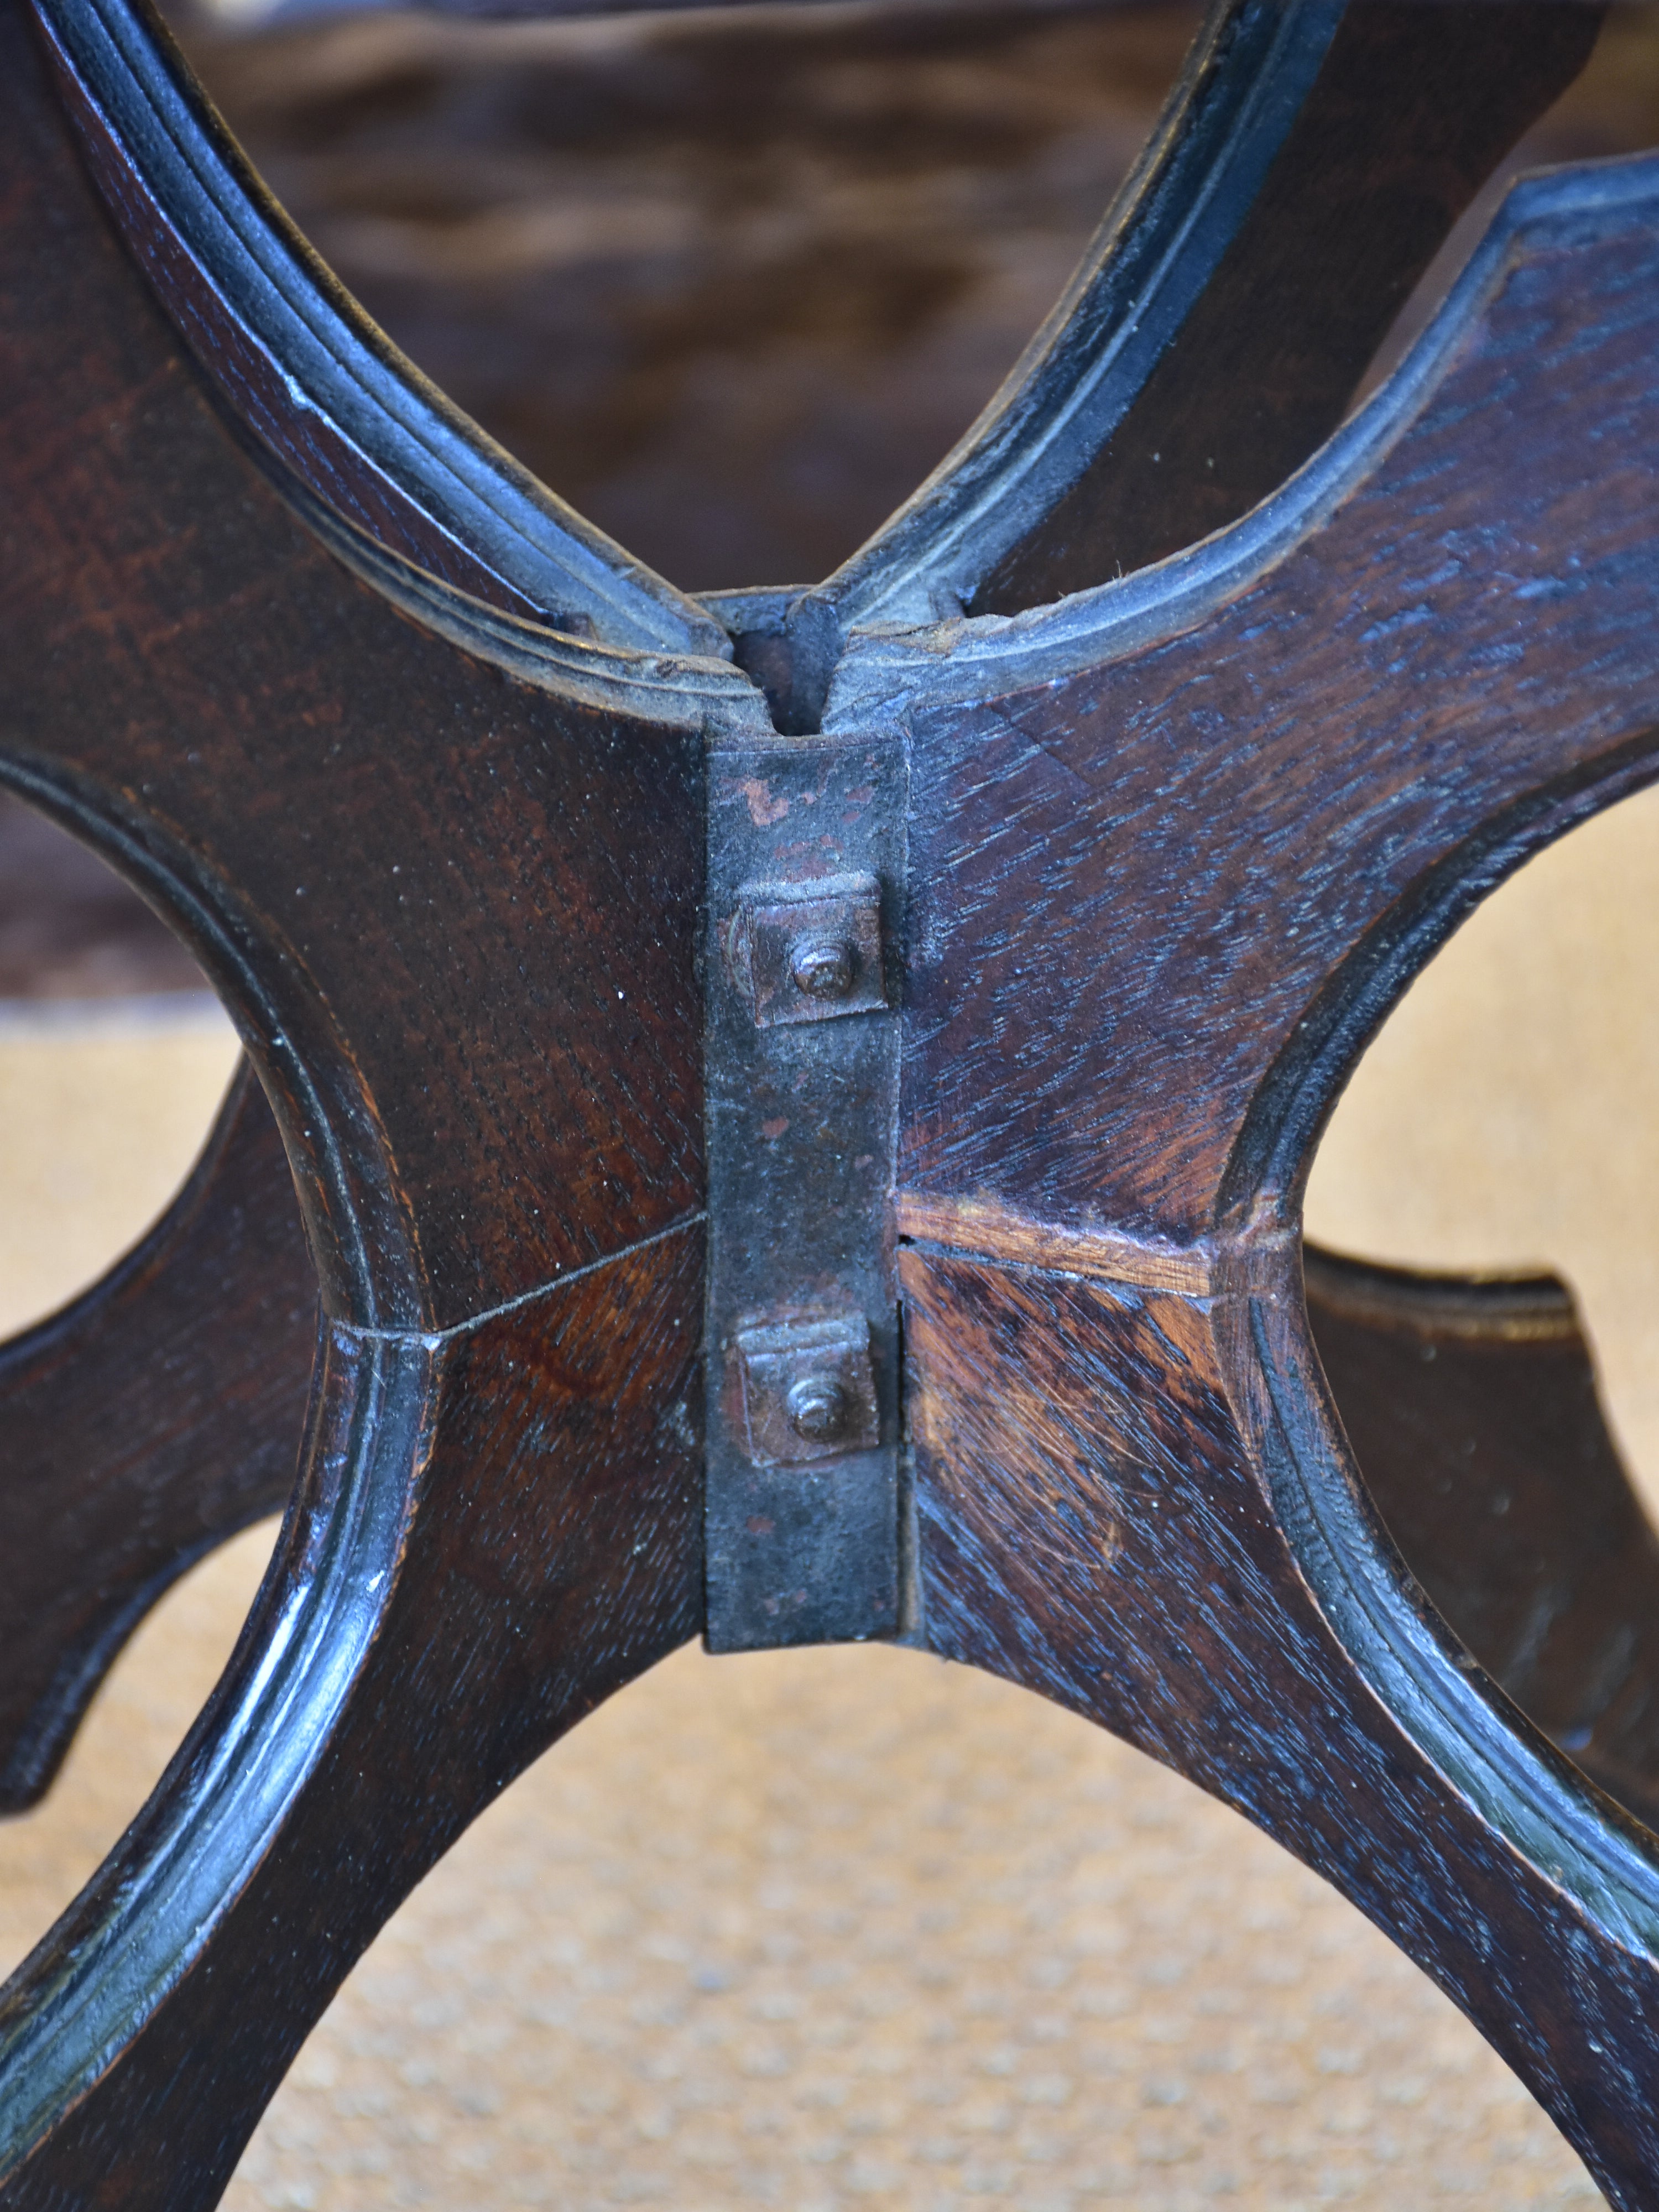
(799, 1101)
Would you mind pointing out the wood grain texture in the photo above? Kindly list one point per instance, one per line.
(307, 374)
(1178, 843)
(347, 475)
(984, 1228)
(1175, 845)
(1411, 112)
(444, 868)
(495, 1530)
(148, 1421)
(1472, 1409)
(1097, 1522)
(353, 487)
(454, 912)
(1310, 162)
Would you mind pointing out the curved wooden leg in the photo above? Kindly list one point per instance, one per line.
(1103, 1474)
(1472, 1409)
(1438, 144)
(146, 1423)
(496, 1528)
(445, 870)
(1311, 162)
(1177, 846)
(1150, 922)
(1403, 122)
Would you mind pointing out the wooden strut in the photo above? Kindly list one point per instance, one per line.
(1210, 719)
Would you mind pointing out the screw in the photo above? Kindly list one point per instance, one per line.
(816, 1407)
(822, 966)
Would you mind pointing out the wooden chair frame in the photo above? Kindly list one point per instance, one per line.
(1182, 720)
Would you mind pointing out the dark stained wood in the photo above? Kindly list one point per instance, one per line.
(852, 141)
(1410, 112)
(1471, 1407)
(364, 833)
(1176, 845)
(1381, 133)
(306, 373)
(1311, 163)
(143, 1425)
(163, 1414)
(482, 1048)
(495, 1532)
(1100, 1520)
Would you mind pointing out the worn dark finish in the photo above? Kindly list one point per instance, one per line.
(495, 1531)
(1471, 1407)
(470, 884)
(307, 374)
(1232, 73)
(1103, 1518)
(1407, 117)
(733, 399)
(806, 856)
(143, 1425)
(1309, 164)
(275, 811)
(1224, 905)
(484, 1056)
(1175, 847)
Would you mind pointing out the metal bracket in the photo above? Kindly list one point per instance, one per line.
(804, 886)
(808, 951)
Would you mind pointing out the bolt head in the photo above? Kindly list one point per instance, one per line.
(818, 1408)
(822, 967)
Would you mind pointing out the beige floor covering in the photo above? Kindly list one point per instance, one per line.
(852, 1928)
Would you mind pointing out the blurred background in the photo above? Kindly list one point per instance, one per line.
(847, 1927)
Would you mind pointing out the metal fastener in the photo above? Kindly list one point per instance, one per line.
(818, 1408)
(822, 967)
(803, 934)
(808, 950)
(809, 1390)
